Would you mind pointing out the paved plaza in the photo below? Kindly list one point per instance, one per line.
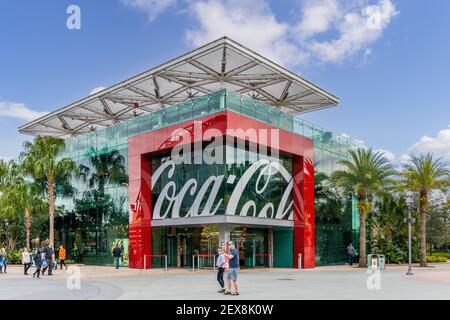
(339, 282)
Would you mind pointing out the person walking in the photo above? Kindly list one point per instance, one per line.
(232, 274)
(26, 261)
(220, 264)
(37, 258)
(62, 257)
(117, 253)
(49, 254)
(54, 264)
(3, 260)
(44, 261)
(351, 252)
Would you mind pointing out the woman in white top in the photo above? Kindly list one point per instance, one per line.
(26, 261)
(220, 263)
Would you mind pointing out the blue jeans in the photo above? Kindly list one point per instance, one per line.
(117, 261)
(350, 259)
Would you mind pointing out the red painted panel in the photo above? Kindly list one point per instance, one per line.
(308, 196)
(304, 242)
(141, 147)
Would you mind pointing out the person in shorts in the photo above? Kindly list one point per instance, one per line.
(232, 274)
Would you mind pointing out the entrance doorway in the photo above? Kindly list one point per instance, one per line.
(183, 245)
(252, 244)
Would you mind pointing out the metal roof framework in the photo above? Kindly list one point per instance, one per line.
(220, 64)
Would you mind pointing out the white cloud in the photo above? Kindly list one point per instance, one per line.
(250, 22)
(327, 31)
(95, 90)
(317, 16)
(151, 7)
(438, 145)
(404, 158)
(19, 110)
(356, 31)
(388, 154)
(359, 142)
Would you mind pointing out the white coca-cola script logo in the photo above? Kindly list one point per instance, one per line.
(264, 169)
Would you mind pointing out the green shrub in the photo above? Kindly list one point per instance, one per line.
(441, 254)
(437, 258)
(14, 257)
(395, 254)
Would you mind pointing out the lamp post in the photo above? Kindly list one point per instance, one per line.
(410, 220)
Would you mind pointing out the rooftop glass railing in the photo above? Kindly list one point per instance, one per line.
(113, 137)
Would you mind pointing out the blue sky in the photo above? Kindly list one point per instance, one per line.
(393, 81)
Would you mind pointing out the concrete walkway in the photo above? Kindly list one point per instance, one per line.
(337, 282)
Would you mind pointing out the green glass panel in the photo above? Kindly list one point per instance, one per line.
(158, 119)
(298, 127)
(92, 139)
(233, 102)
(262, 112)
(307, 130)
(217, 101)
(67, 151)
(170, 115)
(133, 127)
(248, 108)
(275, 118)
(145, 123)
(101, 139)
(111, 137)
(185, 111)
(122, 133)
(286, 122)
(200, 106)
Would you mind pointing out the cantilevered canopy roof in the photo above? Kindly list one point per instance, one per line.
(220, 64)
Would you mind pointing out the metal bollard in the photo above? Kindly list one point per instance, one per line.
(299, 261)
(165, 261)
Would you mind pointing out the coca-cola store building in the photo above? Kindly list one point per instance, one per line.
(203, 149)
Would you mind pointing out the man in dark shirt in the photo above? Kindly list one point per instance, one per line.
(117, 253)
(49, 253)
(232, 273)
(351, 252)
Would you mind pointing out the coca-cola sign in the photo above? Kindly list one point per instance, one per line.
(263, 189)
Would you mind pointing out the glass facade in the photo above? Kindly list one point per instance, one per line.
(97, 216)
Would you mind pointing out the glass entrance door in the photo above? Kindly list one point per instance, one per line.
(172, 250)
(180, 244)
(184, 249)
(252, 244)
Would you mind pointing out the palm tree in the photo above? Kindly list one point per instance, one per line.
(40, 160)
(103, 170)
(107, 168)
(423, 174)
(23, 197)
(364, 176)
(9, 174)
